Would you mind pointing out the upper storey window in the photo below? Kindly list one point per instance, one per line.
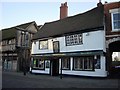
(75, 39)
(43, 44)
(115, 18)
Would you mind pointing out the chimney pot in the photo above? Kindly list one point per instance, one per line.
(106, 2)
(65, 3)
(99, 4)
(62, 4)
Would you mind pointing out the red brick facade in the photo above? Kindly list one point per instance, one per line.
(112, 37)
(108, 25)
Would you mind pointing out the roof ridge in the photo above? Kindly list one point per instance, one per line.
(17, 25)
(81, 22)
(72, 16)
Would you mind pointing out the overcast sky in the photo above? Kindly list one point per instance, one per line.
(16, 12)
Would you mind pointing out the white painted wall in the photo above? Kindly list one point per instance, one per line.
(94, 41)
(46, 71)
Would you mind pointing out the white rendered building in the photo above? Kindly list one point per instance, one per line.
(74, 46)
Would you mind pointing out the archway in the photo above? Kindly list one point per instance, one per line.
(114, 50)
(114, 46)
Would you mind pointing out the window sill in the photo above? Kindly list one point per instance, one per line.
(66, 69)
(44, 49)
(38, 69)
(115, 30)
(84, 70)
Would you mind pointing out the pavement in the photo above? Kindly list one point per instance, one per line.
(18, 80)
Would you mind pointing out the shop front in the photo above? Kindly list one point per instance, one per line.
(86, 63)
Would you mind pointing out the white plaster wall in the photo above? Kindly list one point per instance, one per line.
(36, 50)
(94, 41)
(46, 71)
(96, 73)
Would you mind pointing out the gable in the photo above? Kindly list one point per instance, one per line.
(32, 28)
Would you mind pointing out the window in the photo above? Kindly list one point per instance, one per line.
(13, 41)
(56, 48)
(9, 41)
(47, 64)
(27, 39)
(116, 21)
(75, 39)
(38, 64)
(22, 38)
(115, 18)
(66, 63)
(78, 63)
(97, 62)
(43, 44)
(83, 63)
(4, 42)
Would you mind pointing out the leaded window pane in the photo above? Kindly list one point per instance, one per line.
(66, 63)
(38, 63)
(83, 63)
(43, 44)
(75, 39)
(116, 16)
(116, 21)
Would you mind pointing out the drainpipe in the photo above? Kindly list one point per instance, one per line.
(61, 70)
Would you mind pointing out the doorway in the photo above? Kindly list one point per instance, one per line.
(114, 49)
(54, 67)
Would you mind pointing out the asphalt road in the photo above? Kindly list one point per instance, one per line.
(18, 80)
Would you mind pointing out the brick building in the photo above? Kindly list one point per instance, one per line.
(112, 26)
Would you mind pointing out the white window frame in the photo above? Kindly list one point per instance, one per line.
(74, 39)
(66, 63)
(114, 11)
(82, 61)
(37, 63)
(43, 47)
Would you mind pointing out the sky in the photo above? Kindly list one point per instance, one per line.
(16, 12)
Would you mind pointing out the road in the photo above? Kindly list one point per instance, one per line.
(18, 80)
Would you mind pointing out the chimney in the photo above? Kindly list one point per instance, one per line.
(99, 4)
(63, 10)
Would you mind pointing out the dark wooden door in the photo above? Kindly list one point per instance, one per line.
(54, 70)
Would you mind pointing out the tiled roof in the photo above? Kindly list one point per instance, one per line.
(11, 32)
(39, 26)
(81, 22)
